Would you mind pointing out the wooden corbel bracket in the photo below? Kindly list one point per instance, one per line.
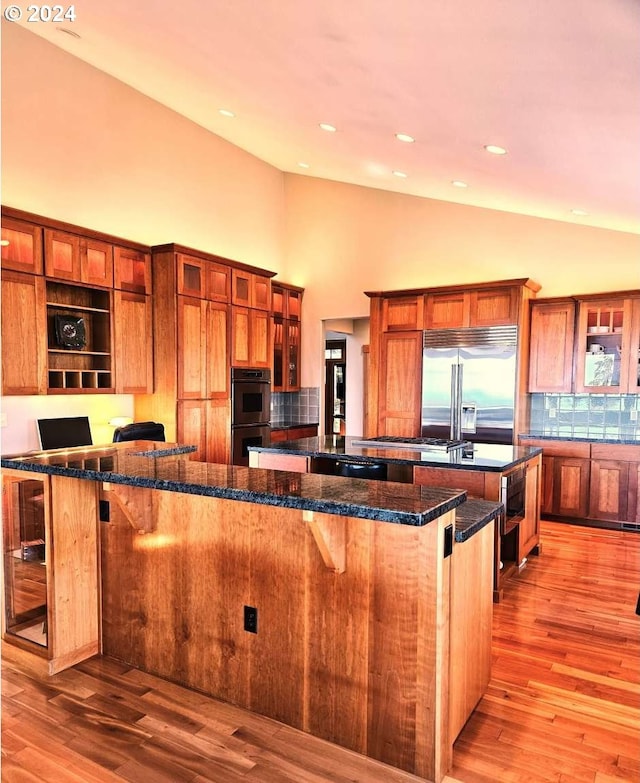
(330, 535)
(136, 504)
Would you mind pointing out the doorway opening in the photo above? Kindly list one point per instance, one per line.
(335, 376)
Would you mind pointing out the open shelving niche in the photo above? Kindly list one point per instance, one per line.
(88, 369)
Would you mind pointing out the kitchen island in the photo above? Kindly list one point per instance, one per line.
(339, 606)
(484, 470)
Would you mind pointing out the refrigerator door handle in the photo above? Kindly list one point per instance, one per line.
(456, 402)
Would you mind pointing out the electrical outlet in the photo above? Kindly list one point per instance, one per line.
(251, 619)
(3, 420)
(552, 413)
(633, 415)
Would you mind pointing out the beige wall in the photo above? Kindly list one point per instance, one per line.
(80, 146)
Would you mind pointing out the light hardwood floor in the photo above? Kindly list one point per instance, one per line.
(563, 704)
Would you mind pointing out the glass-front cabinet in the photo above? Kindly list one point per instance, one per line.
(25, 523)
(608, 344)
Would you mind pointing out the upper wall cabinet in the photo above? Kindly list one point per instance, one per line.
(481, 307)
(286, 303)
(607, 345)
(23, 251)
(131, 270)
(77, 259)
(586, 344)
(251, 290)
(551, 351)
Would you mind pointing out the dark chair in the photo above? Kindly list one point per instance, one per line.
(139, 430)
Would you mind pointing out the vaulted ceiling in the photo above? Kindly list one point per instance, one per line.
(554, 82)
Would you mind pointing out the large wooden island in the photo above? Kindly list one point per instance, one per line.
(358, 611)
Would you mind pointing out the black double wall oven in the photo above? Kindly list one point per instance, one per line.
(250, 411)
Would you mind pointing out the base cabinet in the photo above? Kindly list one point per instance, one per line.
(50, 566)
(571, 486)
(609, 489)
(206, 424)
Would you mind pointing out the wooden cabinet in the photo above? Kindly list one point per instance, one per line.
(466, 308)
(133, 337)
(604, 346)
(609, 489)
(633, 499)
(400, 390)
(51, 599)
(205, 424)
(529, 526)
(86, 366)
(250, 290)
(131, 270)
(23, 251)
(77, 259)
(551, 349)
(250, 330)
(570, 486)
(294, 433)
(403, 314)
(203, 349)
(24, 334)
(285, 336)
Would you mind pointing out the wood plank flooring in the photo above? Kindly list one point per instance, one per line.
(563, 703)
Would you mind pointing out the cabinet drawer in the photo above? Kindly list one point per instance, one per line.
(623, 452)
(561, 448)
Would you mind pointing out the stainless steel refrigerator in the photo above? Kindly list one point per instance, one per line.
(469, 384)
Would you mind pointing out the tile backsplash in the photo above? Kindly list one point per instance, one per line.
(296, 407)
(586, 415)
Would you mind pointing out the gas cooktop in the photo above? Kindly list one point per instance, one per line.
(419, 444)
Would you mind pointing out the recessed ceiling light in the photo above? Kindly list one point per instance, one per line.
(580, 212)
(326, 127)
(399, 174)
(495, 150)
(66, 30)
(458, 183)
(303, 165)
(226, 113)
(404, 137)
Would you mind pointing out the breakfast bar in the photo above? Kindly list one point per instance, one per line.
(342, 607)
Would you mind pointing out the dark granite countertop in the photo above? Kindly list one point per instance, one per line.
(161, 466)
(620, 441)
(473, 515)
(290, 425)
(485, 457)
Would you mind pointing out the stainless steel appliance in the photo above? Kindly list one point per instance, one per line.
(250, 411)
(469, 384)
(419, 444)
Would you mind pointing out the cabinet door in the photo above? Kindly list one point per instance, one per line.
(608, 495)
(218, 432)
(278, 374)
(404, 314)
(551, 352)
(133, 343)
(633, 375)
(132, 270)
(529, 527)
(24, 334)
(400, 384)
(294, 305)
(218, 282)
(241, 288)
(240, 336)
(259, 342)
(217, 342)
(570, 486)
(192, 348)
(192, 427)
(62, 255)
(493, 307)
(261, 292)
(96, 263)
(191, 276)
(546, 485)
(603, 346)
(23, 253)
(633, 498)
(447, 310)
(293, 355)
